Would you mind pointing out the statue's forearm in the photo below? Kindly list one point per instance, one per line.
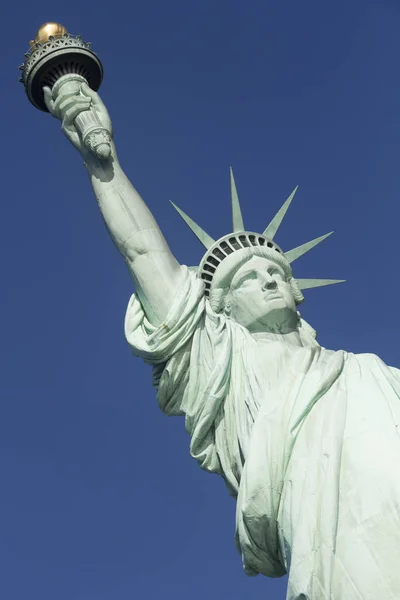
(136, 234)
(128, 219)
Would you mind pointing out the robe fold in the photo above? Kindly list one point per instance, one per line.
(306, 439)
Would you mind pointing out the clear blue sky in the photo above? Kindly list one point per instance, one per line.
(99, 498)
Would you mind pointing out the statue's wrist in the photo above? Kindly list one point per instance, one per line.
(92, 161)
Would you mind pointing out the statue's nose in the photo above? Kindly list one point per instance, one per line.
(269, 282)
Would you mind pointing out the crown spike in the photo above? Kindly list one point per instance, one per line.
(292, 255)
(204, 238)
(273, 227)
(307, 284)
(237, 219)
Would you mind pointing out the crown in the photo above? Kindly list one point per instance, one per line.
(253, 243)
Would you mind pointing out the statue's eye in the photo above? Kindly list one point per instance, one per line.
(247, 278)
(276, 274)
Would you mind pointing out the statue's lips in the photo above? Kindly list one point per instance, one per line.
(273, 296)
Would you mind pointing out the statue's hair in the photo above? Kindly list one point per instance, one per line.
(217, 299)
(307, 333)
(296, 291)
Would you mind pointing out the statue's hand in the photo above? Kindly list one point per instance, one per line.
(66, 108)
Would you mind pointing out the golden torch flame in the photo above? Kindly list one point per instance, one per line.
(46, 30)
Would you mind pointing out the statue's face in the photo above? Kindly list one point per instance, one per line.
(260, 298)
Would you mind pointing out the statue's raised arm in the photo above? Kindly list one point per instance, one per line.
(133, 228)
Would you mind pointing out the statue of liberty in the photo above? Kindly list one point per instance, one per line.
(306, 439)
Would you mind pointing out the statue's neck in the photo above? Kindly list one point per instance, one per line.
(291, 338)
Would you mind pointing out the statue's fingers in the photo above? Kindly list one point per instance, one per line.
(58, 101)
(75, 110)
(63, 103)
(98, 105)
(48, 100)
(94, 96)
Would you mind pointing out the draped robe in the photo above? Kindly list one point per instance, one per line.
(306, 439)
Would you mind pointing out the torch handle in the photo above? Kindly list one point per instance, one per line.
(94, 136)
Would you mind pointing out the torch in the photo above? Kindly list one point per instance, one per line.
(63, 62)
